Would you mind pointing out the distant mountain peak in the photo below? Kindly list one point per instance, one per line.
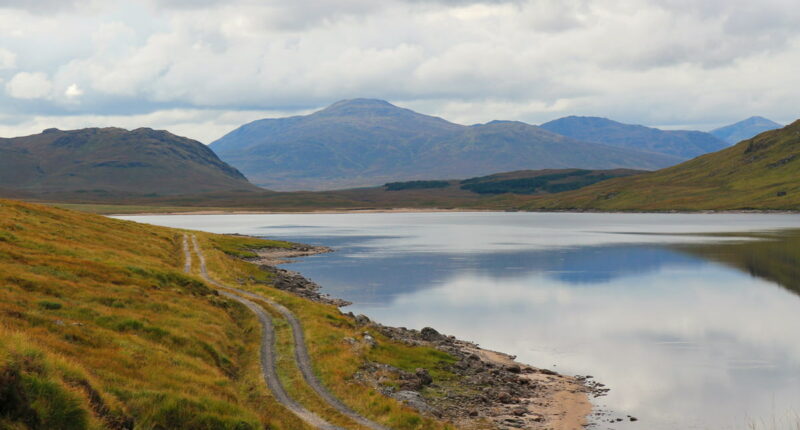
(361, 105)
(679, 143)
(366, 142)
(745, 129)
(362, 102)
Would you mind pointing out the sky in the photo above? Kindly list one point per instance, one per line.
(201, 68)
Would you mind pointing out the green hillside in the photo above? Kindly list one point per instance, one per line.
(546, 181)
(759, 173)
(105, 162)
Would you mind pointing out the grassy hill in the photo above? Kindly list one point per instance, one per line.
(101, 329)
(546, 181)
(684, 144)
(759, 173)
(103, 162)
(360, 143)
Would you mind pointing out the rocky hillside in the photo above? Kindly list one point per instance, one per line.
(113, 161)
(366, 142)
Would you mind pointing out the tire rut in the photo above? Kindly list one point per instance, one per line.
(268, 353)
(303, 359)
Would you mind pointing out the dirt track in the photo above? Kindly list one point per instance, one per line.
(268, 353)
(268, 358)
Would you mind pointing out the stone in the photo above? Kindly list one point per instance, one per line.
(424, 377)
(431, 335)
(412, 399)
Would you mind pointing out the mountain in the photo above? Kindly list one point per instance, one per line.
(113, 160)
(679, 143)
(365, 142)
(758, 173)
(746, 129)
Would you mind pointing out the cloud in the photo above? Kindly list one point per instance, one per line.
(8, 59)
(646, 61)
(25, 85)
(73, 91)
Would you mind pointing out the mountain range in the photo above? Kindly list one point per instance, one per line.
(758, 173)
(99, 161)
(679, 143)
(745, 129)
(366, 142)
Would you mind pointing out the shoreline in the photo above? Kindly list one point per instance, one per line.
(461, 210)
(508, 393)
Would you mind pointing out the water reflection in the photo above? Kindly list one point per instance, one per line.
(379, 278)
(689, 331)
(775, 257)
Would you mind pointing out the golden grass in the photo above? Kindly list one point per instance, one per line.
(118, 334)
(336, 361)
(160, 347)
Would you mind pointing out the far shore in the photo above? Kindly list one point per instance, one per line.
(454, 210)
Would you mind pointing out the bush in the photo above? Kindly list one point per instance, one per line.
(51, 306)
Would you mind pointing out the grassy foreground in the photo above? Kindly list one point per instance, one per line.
(100, 329)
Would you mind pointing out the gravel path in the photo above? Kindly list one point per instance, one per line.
(268, 353)
(187, 256)
(304, 362)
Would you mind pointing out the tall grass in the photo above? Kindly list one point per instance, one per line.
(99, 328)
(159, 348)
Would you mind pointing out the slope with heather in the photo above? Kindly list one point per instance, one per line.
(101, 329)
(109, 162)
(759, 173)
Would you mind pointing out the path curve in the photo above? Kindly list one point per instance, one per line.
(303, 359)
(268, 353)
(301, 354)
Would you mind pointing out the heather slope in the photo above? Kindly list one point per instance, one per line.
(113, 161)
(101, 329)
(366, 142)
(759, 173)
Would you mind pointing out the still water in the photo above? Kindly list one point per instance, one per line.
(690, 330)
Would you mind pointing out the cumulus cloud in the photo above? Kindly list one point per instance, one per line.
(8, 59)
(646, 61)
(26, 85)
(73, 91)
